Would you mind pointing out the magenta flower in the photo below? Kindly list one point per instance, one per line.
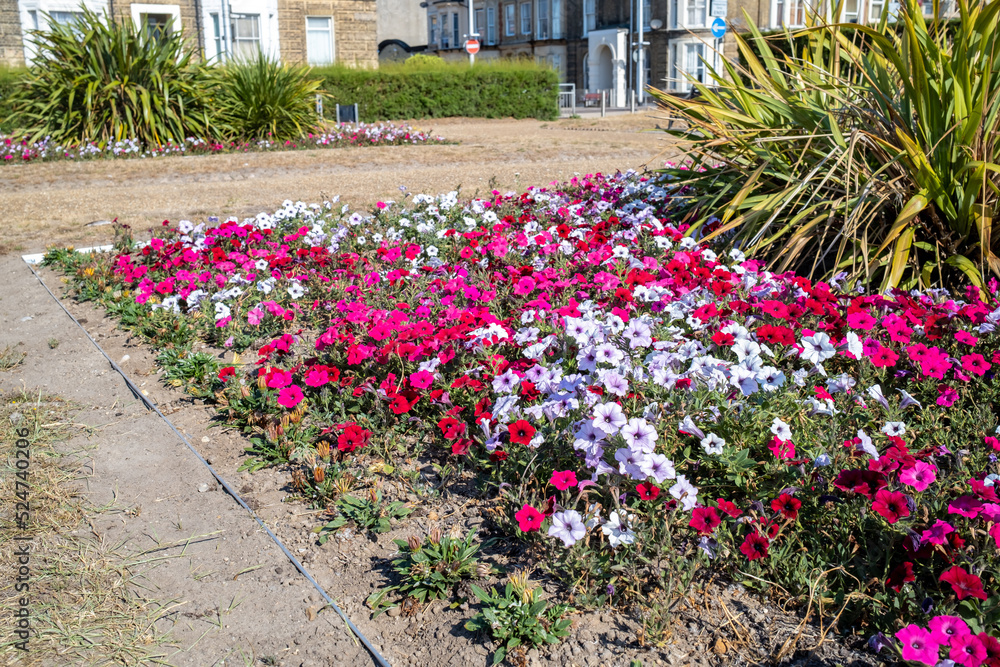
(967, 650)
(524, 286)
(918, 645)
(278, 379)
(967, 506)
(937, 534)
(291, 396)
(421, 379)
(975, 363)
(317, 377)
(946, 396)
(891, 505)
(919, 476)
(945, 628)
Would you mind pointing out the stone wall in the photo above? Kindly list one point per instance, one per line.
(11, 42)
(354, 29)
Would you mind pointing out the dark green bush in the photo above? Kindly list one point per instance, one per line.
(260, 98)
(428, 89)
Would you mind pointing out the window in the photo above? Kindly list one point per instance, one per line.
(491, 25)
(875, 10)
(543, 19)
(156, 26)
(217, 34)
(319, 40)
(647, 12)
(455, 35)
(245, 29)
(445, 33)
(796, 12)
(525, 19)
(557, 19)
(778, 14)
(33, 18)
(478, 28)
(64, 18)
(851, 12)
(694, 65)
(509, 20)
(928, 7)
(589, 16)
(697, 13)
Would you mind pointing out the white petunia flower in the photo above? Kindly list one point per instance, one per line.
(617, 530)
(712, 444)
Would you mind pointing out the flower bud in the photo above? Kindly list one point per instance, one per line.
(319, 474)
(413, 542)
(482, 570)
(323, 449)
(435, 536)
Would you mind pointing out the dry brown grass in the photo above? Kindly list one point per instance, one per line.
(85, 597)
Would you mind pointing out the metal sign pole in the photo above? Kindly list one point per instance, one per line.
(472, 31)
(640, 70)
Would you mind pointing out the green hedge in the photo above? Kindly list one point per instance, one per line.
(10, 77)
(501, 90)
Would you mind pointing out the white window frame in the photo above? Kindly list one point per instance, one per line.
(139, 10)
(432, 29)
(479, 17)
(876, 16)
(845, 17)
(510, 19)
(647, 12)
(235, 40)
(525, 18)
(456, 30)
(555, 6)
(678, 57)
(589, 16)
(333, 40)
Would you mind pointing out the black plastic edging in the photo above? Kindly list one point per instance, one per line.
(225, 485)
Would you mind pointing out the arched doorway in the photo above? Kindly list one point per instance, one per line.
(605, 69)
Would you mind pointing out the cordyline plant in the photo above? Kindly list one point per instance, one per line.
(104, 81)
(872, 152)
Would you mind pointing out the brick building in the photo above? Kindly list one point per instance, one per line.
(315, 31)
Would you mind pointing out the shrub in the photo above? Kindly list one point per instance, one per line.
(261, 98)
(429, 89)
(854, 162)
(105, 81)
(10, 79)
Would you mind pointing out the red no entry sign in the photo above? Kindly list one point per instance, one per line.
(472, 46)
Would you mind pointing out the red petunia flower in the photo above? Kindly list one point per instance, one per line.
(647, 491)
(963, 583)
(901, 574)
(353, 437)
(787, 505)
(705, 520)
(729, 508)
(227, 372)
(891, 505)
(754, 546)
(521, 432)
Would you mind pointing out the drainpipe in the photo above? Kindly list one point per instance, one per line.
(197, 27)
(640, 70)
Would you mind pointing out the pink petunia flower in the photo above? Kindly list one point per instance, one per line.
(291, 396)
(975, 363)
(279, 378)
(946, 396)
(966, 337)
(563, 480)
(937, 534)
(967, 506)
(919, 476)
(967, 650)
(945, 628)
(918, 645)
(421, 379)
(317, 377)
(529, 519)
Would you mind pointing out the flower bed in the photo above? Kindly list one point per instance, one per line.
(14, 151)
(644, 411)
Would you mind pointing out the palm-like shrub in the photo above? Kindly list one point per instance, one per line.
(874, 155)
(258, 98)
(103, 81)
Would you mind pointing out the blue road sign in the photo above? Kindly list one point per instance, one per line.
(718, 28)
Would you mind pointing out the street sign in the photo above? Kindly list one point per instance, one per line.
(718, 28)
(472, 46)
(719, 8)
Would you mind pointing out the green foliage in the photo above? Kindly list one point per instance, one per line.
(429, 569)
(195, 372)
(518, 618)
(844, 158)
(10, 79)
(259, 98)
(428, 89)
(106, 81)
(368, 514)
